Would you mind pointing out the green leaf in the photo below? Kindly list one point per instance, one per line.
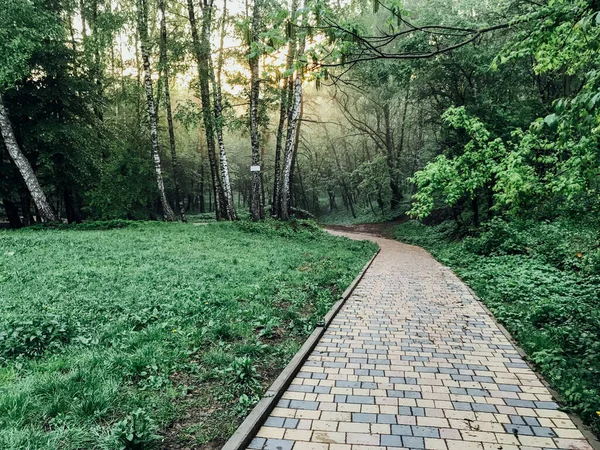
(552, 121)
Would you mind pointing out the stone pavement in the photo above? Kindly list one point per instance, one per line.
(413, 361)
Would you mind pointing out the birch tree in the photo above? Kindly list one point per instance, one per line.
(292, 127)
(284, 100)
(23, 30)
(46, 212)
(218, 110)
(256, 206)
(152, 116)
(164, 66)
(211, 118)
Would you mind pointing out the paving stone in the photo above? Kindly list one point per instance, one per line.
(364, 418)
(275, 422)
(360, 399)
(391, 441)
(386, 418)
(518, 429)
(278, 444)
(430, 432)
(290, 423)
(413, 361)
(413, 442)
(257, 443)
(302, 404)
(544, 432)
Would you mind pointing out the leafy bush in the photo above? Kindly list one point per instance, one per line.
(33, 335)
(498, 238)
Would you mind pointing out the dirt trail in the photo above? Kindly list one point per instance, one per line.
(383, 229)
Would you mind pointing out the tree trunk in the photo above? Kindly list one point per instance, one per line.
(165, 69)
(26, 208)
(72, 211)
(46, 212)
(332, 204)
(256, 206)
(284, 105)
(391, 159)
(202, 53)
(229, 205)
(296, 145)
(278, 141)
(168, 214)
(12, 213)
(475, 208)
(290, 141)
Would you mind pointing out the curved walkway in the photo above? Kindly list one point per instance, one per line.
(413, 361)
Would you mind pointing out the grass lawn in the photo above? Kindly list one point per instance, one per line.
(110, 338)
(542, 281)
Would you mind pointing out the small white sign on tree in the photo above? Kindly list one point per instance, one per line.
(254, 168)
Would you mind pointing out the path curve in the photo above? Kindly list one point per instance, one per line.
(412, 360)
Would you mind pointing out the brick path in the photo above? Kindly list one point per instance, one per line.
(413, 361)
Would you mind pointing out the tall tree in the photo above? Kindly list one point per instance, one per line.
(218, 107)
(45, 210)
(165, 69)
(202, 52)
(256, 205)
(168, 213)
(292, 125)
(284, 100)
(24, 29)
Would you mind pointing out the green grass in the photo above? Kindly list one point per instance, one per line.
(542, 281)
(109, 337)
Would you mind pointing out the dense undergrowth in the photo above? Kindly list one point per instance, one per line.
(542, 281)
(124, 335)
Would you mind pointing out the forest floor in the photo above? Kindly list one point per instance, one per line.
(383, 229)
(112, 336)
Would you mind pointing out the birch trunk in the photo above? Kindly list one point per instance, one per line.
(290, 141)
(165, 68)
(168, 214)
(218, 106)
(202, 53)
(285, 105)
(256, 206)
(46, 212)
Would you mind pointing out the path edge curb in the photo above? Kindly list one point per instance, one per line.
(248, 428)
(589, 436)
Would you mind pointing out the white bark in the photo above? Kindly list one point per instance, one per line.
(218, 107)
(46, 212)
(256, 206)
(292, 129)
(168, 213)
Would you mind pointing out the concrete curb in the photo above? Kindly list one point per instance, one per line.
(247, 430)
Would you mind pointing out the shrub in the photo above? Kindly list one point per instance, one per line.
(32, 336)
(498, 238)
